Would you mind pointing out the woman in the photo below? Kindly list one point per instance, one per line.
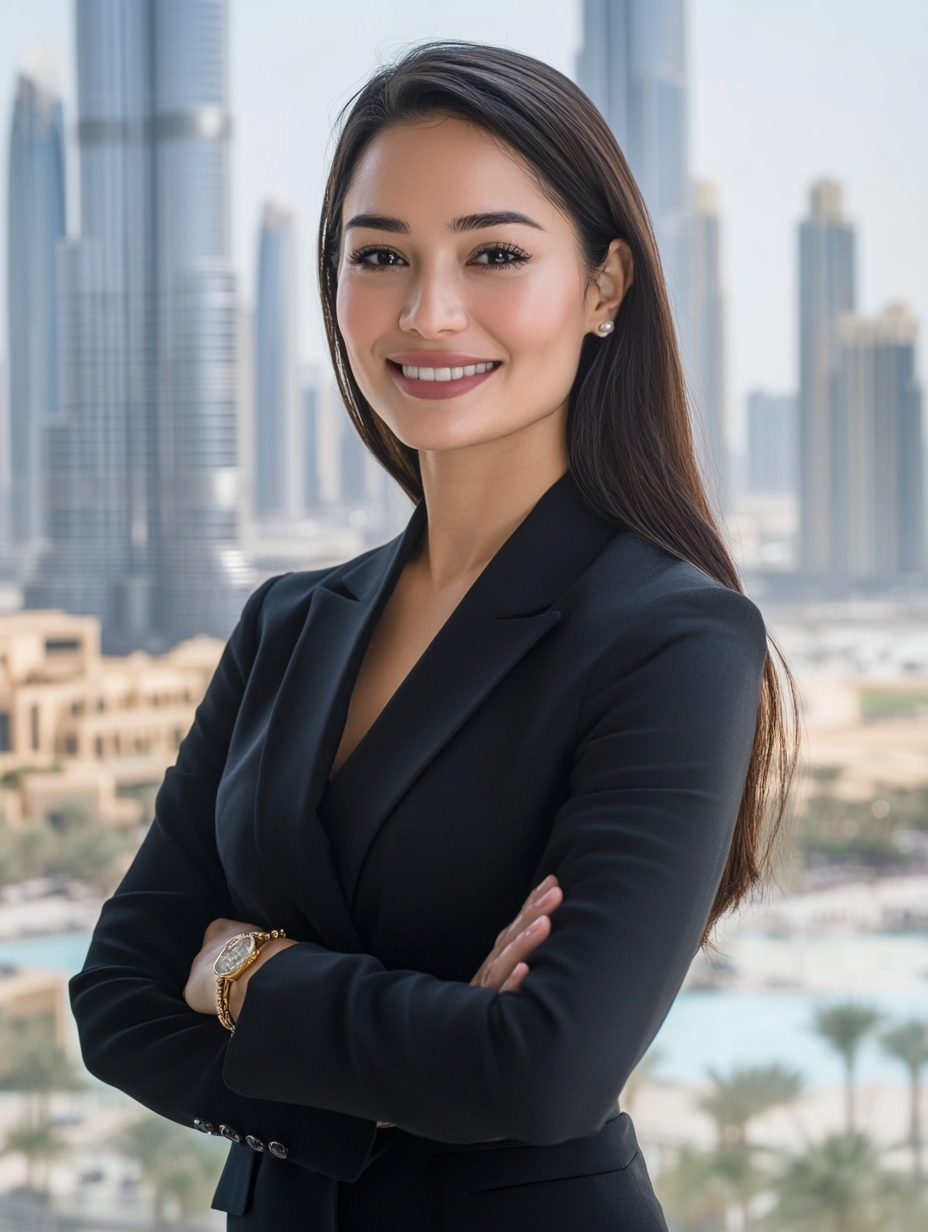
(549, 680)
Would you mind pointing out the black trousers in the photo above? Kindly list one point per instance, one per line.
(598, 1184)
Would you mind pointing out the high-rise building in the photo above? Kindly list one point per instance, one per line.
(35, 226)
(771, 452)
(312, 487)
(826, 291)
(878, 471)
(633, 67)
(707, 350)
(277, 478)
(142, 494)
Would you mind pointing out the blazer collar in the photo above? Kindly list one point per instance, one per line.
(510, 607)
(505, 612)
(305, 728)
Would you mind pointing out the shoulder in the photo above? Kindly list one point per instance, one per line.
(287, 595)
(638, 594)
(277, 610)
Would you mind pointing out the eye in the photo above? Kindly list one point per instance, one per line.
(500, 256)
(376, 258)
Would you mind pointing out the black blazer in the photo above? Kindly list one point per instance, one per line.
(588, 710)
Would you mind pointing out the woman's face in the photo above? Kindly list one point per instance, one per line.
(462, 295)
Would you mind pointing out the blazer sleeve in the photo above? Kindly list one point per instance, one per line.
(666, 732)
(136, 1031)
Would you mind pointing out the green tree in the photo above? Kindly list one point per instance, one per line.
(732, 1102)
(908, 1043)
(845, 1027)
(39, 1145)
(176, 1163)
(835, 1186)
(32, 1063)
(746, 1093)
(693, 1191)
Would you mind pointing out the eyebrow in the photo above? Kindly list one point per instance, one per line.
(477, 222)
(469, 222)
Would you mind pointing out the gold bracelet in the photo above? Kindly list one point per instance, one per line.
(235, 957)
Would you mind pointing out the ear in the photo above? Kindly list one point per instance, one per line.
(609, 285)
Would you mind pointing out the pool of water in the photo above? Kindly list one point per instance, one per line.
(724, 1029)
(719, 1029)
(61, 952)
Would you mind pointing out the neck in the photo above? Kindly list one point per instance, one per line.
(476, 497)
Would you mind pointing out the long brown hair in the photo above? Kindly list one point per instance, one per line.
(628, 431)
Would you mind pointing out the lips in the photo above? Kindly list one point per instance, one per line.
(439, 375)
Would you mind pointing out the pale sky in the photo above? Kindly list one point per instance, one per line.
(781, 93)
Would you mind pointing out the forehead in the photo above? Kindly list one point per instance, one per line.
(445, 166)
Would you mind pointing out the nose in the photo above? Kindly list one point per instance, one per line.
(435, 306)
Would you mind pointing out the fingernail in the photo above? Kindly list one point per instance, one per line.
(537, 890)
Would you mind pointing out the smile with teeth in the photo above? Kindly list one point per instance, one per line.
(412, 373)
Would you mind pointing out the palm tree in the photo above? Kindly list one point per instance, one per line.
(908, 1043)
(36, 1066)
(845, 1026)
(744, 1094)
(836, 1185)
(732, 1103)
(38, 1144)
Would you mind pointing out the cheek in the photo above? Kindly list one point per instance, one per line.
(363, 313)
(539, 318)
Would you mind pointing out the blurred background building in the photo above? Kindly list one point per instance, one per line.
(826, 291)
(633, 66)
(278, 473)
(35, 226)
(142, 470)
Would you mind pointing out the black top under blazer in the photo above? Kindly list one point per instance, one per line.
(588, 710)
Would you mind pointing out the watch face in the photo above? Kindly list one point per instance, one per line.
(233, 954)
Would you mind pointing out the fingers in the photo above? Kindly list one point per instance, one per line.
(501, 967)
(528, 930)
(514, 983)
(544, 899)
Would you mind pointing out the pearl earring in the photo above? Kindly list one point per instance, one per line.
(606, 328)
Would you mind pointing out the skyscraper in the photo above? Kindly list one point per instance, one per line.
(277, 481)
(35, 225)
(878, 470)
(633, 67)
(771, 460)
(826, 290)
(707, 349)
(142, 498)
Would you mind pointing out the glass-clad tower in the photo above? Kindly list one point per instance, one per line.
(633, 67)
(276, 452)
(35, 226)
(877, 467)
(826, 291)
(142, 493)
(707, 340)
(201, 567)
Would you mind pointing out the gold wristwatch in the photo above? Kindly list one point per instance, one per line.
(236, 956)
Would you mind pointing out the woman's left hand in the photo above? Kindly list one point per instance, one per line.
(200, 989)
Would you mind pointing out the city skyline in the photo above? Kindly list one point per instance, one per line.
(780, 96)
(142, 471)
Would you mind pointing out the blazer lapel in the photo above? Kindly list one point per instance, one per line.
(305, 728)
(507, 610)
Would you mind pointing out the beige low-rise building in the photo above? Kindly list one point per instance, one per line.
(76, 726)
